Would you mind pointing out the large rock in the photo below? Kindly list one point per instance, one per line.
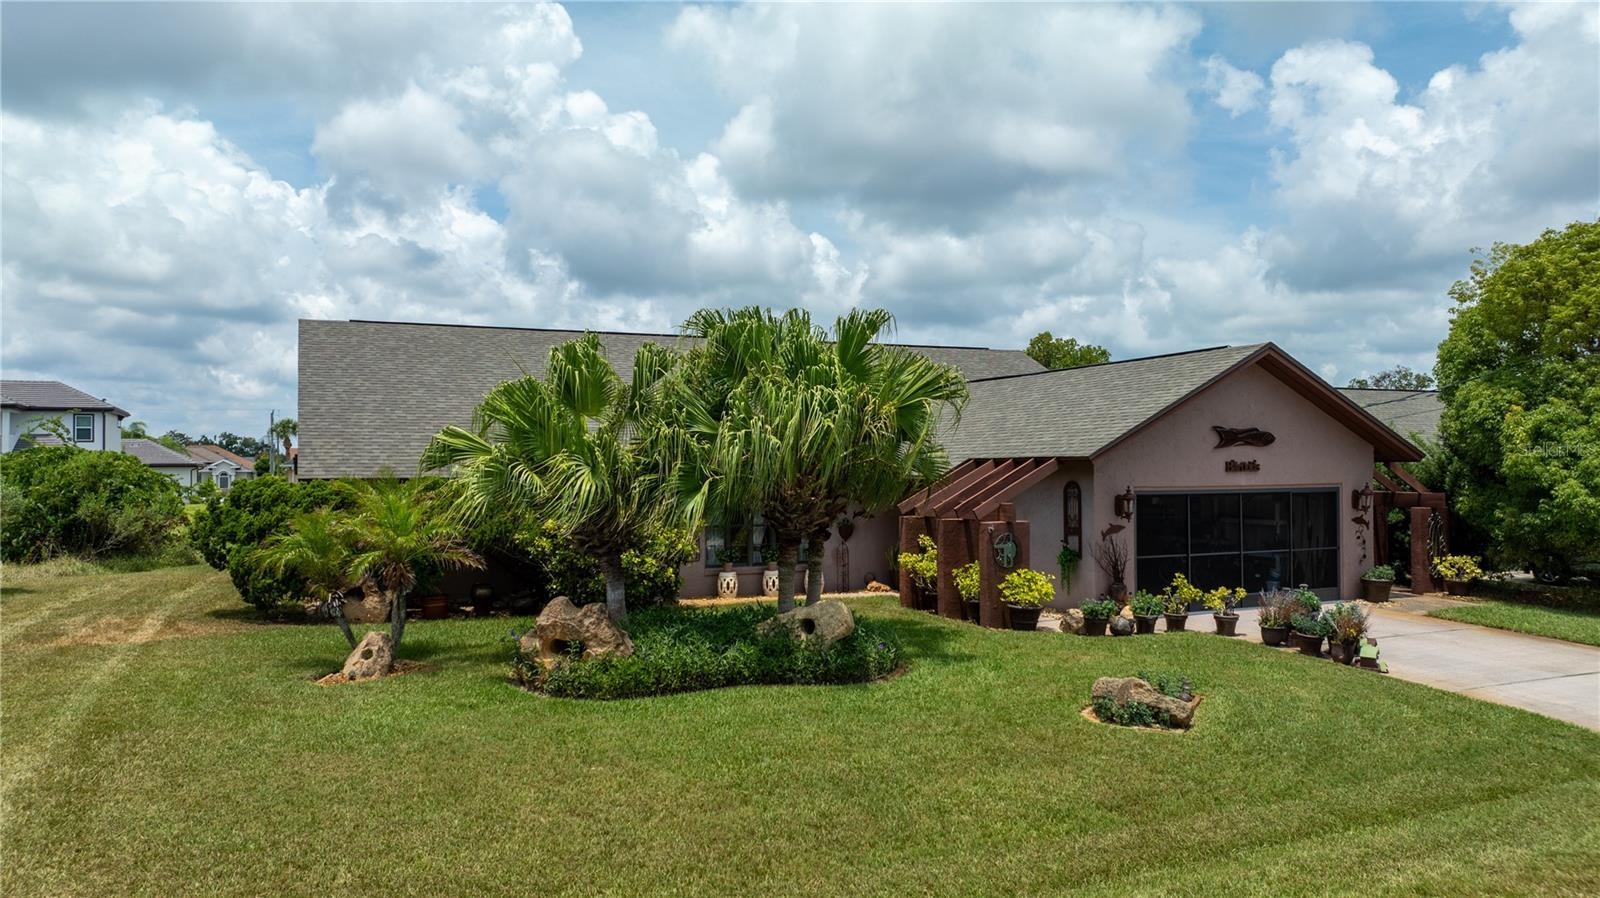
(371, 608)
(1121, 626)
(824, 623)
(1126, 613)
(1127, 690)
(1072, 621)
(372, 657)
(562, 624)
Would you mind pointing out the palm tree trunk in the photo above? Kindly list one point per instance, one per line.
(788, 553)
(616, 588)
(816, 551)
(397, 617)
(337, 601)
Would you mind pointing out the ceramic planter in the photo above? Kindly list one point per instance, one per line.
(1375, 590)
(1176, 622)
(1457, 587)
(769, 581)
(434, 607)
(1095, 626)
(1024, 617)
(1145, 624)
(1226, 624)
(1309, 645)
(727, 583)
(1274, 636)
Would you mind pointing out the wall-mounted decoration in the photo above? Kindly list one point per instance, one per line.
(1072, 516)
(1123, 504)
(1242, 436)
(1235, 466)
(1005, 550)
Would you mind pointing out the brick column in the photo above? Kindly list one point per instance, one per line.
(951, 535)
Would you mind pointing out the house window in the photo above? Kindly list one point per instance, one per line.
(83, 428)
(1258, 540)
(223, 480)
(746, 543)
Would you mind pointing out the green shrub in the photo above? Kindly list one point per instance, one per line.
(60, 500)
(1166, 682)
(1147, 604)
(1099, 609)
(1379, 572)
(684, 650)
(230, 528)
(650, 571)
(1027, 588)
(922, 566)
(1132, 714)
(968, 581)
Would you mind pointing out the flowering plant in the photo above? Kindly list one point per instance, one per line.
(1027, 588)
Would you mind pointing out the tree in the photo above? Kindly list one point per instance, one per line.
(316, 549)
(134, 430)
(1065, 352)
(1397, 378)
(284, 430)
(780, 418)
(249, 447)
(1519, 375)
(569, 449)
(176, 440)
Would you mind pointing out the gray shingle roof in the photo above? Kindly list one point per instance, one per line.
(1076, 412)
(1406, 412)
(52, 396)
(153, 453)
(373, 393)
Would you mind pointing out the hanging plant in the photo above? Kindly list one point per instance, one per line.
(1067, 559)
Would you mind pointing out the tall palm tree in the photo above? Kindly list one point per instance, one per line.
(782, 418)
(285, 430)
(316, 549)
(572, 449)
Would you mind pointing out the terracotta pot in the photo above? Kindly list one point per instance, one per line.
(1143, 624)
(434, 607)
(1457, 587)
(1375, 590)
(1176, 622)
(1226, 624)
(1095, 626)
(1023, 618)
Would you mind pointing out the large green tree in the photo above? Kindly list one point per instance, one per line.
(570, 449)
(780, 417)
(1519, 374)
(1065, 352)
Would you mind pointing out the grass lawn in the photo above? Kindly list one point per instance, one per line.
(157, 740)
(1571, 624)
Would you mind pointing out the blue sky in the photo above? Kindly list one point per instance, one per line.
(183, 182)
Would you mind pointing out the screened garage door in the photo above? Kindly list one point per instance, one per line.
(1257, 540)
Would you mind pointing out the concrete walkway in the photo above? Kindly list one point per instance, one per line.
(1546, 676)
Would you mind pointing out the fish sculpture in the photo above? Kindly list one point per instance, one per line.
(1242, 436)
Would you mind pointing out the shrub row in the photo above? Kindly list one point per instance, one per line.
(683, 650)
(61, 500)
(228, 530)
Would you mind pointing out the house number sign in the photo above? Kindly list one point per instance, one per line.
(1005, 550)
(1235, 466)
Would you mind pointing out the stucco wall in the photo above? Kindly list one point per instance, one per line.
(1041, 507)
(869, 547)
(1177, 453)
(107, 429)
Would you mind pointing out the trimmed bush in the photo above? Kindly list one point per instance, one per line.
(228, 530)
(651, 570)
(60, 500)
(684, 650)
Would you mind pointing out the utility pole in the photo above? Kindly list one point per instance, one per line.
(272, 450)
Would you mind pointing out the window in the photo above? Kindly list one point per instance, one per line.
(223, 480)
(83, 428)
(1254, 539)
(747, 543)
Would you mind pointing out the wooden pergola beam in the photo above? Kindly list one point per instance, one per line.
(941, 491)
(912, 501)
(944, 503)
(1020, 480)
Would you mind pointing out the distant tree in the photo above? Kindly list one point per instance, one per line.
(1397, 378)
(176, 438)
(134, 430)
(249, 447)
(284, 430)
(1065, 352)
(1519, 375)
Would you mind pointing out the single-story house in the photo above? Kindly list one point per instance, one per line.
(180, 467)
(220, 466)
(1236, 465)
(26, 406)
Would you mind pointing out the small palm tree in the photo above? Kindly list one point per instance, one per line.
(569, 449)
(316, 549)
(394, 531)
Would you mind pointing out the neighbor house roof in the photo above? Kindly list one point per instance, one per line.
(373, 393)
(1082, 412)
(51, 396)
(153, 453)
(206, 454)
(1407, 412)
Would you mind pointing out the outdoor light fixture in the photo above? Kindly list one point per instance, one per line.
(1361, 499)
(1124, 504)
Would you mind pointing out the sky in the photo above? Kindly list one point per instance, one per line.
(180, 183)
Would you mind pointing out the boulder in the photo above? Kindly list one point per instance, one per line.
(1072, 621)
(1126, 613)
(372, 657)
(562, 624)
(370, 608)
(1126, 690)
(876, 586)
(824, 623)
(1121, 626)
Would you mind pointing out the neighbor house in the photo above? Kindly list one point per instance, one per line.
(177, 465)
(28, 408)
(218, 465)
(1235, 465)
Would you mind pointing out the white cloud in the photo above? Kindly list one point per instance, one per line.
(1236, 90)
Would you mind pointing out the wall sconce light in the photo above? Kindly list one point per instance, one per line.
(1123, 504)
(1361, 499)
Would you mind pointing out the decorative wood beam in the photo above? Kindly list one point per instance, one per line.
(1013, 486)
(938, 494)
(944, 504)
(910, 502)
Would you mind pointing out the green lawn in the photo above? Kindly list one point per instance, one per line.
(158, 741)
(1571, 624)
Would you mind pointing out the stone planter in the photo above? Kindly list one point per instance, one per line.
(1176, 622)
(1023, 617)
(1143, 624)
(1375, 590)
(769, 581)
(727, 583)
(1457, 587)
(1274, 636)
(1226, 624)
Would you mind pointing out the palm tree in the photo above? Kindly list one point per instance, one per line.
(395, 531)
(570, 449)
(285, 430)
(782, 418)
(316, 548)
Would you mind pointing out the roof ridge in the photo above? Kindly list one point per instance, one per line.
(1143, 358)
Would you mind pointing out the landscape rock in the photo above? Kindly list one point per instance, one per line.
(562, 624)
(1121, 626)
(1126, 690)
(371, 608)
(372, 657)
(1126, 612)
(1072, 621)
(876, 586)
(824, 623)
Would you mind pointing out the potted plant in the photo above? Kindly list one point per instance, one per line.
(1222, 601)
(1376, 583)
(1178, 597)
(1025, 591)
(1067, 559)
(1349, 628)
(1305, 603)
(1147, 608)
(1274, 617)
(1096, 615)
(1457, 571)
(1310, 630)
(968, 586)
(924, 570)
(1111, 555)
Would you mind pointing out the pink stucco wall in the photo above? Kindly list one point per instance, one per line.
(869, 546)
